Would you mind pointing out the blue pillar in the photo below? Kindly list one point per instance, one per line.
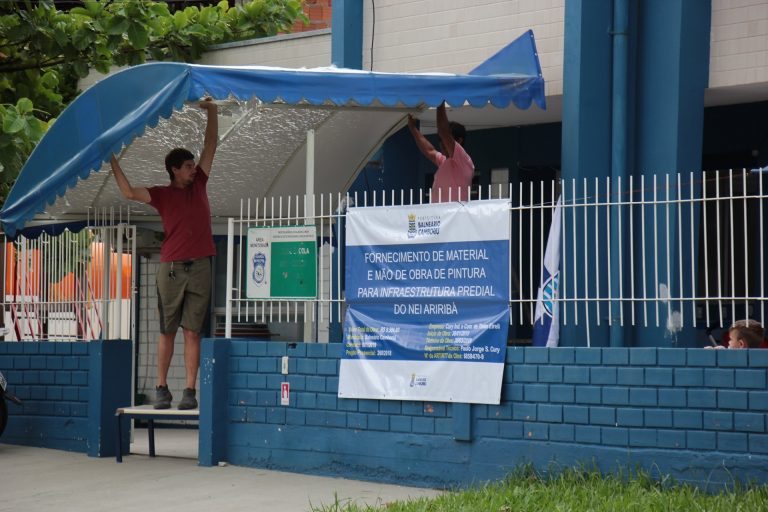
(347, 34)
(214, 374)
(672, 74)
(109, 387)
(634, 81)
(586, 151)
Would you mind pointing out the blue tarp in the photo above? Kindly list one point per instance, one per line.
(117, 109)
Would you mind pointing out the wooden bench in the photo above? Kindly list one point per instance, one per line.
(149, 414)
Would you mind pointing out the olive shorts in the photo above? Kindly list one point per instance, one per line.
(183, 293)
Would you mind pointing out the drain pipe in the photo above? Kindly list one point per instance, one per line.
(618, 156)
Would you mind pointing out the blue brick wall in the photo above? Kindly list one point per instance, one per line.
(696, 414)
(52, 381)
(69, 391)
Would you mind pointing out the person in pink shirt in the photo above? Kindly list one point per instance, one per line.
(454, 166)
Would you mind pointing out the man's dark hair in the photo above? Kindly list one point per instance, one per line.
(458, 131)
(176, 158)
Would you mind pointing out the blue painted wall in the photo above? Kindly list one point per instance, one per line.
(70, 392)
(696, 414)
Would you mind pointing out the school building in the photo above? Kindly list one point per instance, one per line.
(653, 137)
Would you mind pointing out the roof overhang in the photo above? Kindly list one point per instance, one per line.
(265, 114)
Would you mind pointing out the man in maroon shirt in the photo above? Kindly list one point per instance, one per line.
(184, 275)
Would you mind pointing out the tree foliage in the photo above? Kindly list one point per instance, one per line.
(44, 52)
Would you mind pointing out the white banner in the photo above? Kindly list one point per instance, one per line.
(428, 294)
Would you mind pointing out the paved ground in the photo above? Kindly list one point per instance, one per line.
(39, 479)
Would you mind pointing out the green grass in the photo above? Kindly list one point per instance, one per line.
(577, 490)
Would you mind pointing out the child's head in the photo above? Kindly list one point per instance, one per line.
(745, 334)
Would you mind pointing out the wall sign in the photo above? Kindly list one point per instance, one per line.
(282, 262)
(428, 293)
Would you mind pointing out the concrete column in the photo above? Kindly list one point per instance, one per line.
(214, 362)
(347, 34)
(672, 71)
(109, 387)
(586, 149)
(667, 67)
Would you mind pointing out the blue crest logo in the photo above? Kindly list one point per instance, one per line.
(411, 225)
(549, 293)
(259, 267)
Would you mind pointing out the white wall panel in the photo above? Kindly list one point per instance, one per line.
(304, 50)
(739, 48)
(454, 36)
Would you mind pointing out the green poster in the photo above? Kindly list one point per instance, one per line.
(293, 271)
(282, 262)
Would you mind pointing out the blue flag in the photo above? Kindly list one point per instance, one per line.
(546, 326)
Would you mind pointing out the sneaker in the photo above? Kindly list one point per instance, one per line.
(188, 400)
(163, 397)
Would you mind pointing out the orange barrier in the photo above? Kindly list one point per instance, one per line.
(13, 270)
(65, 288)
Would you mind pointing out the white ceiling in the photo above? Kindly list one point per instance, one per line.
(263, 153)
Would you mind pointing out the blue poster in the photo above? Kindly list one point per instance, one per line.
(428, 293)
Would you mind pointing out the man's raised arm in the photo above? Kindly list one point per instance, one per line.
(129, 192)
(211, 135)
(426, 148)
(444, 130)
